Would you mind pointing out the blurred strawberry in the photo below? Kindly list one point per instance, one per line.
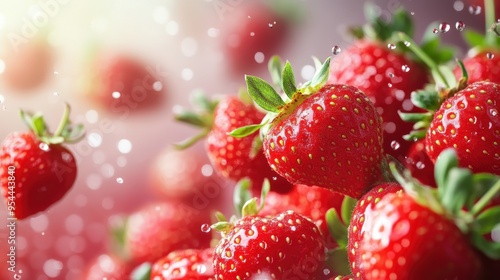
(419, 164)
(160, 228)
(185, 264)
(122, 83)
(109, 267)
(27, 65)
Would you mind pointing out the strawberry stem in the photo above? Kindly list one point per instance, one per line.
(489, 9)
(64, 120)
(486, 198)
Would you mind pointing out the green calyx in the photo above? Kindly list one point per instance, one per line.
(65, 132)
(460, 196)
(279, 106)
(338, 223)
(201, 117)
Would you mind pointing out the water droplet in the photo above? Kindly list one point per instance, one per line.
(94, 139)
(444, 27)
(435, 31)
(405, 68)
(460, 25)
(201, 269)
(458, 6)
(124, 146)
(389, 85)
(475, 10)
(412, 13)
(336, 50)
(207, 170)
(44, 146)
(119, 180)
(407, 43)
(252, 33)
(420, 165)
(391, 46)
(390, 75)
(157, 86)
(56, 93)
(259, 57)
(116, 94)
(490, 55)
(395, 145)
(494, 112)
(205, 228)
(270, 25)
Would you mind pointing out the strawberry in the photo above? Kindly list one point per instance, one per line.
(419, 163)
(481, 66)
(361, 213)
(285, 246)
(37, 170)
(386, 73)
(233, 158)
(107, 266)
(405, 240)
(193, 264)
(321, 134)
(123, 84)
(159, 228)
(469, 119)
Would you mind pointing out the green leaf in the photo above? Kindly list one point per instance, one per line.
(490, 249)
(256, 147)
(347, 207)
(446, 161)
(241, 194)
(244, 131)
(474, 38)
(190, 118)
(192, 140)
(266, 187)
(401, 21)
(263, 94)
(415, 135)
(414, 117)
(337, 229)
(427, 98)
(38, 125)
(201, 101)
(321, 75)
(275, 67)
(431, 45)
(456, 190)
(338, 262)
(142, 272)
(288, 81)
(444, 77)
(488, 220)
(250, 208)
(222, 226)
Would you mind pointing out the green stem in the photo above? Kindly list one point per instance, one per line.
(489, 10)
(423, 56)
(483, 202)
(64, 120)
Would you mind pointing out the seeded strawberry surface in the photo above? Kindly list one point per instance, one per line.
(286, 246)
(483, 66)
(333, 139)
(185, 264)
(469, 122)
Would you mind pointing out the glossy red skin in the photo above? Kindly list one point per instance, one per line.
(41, 178)
(162, 227)
(310, 201)
(258, 246)
(419, 164)
(409, 241)
(368, 65)
(238, 43)
(185, 264)
(231, 156)
(107, 267)
(131, 78)
(362, 211)
(469, 123)
(338, 147)
(480, 68)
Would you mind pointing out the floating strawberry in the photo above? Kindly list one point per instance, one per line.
(37, 170)
(185, 264)
(323, 135)
(233, 158)
(157, 229)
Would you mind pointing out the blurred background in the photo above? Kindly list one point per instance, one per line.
(57, 51)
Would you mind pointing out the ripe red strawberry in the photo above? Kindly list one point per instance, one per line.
(419, 164)
(123, 84)
(160, 228)
(361, 213)
(469, 122)
(107, 267)
(481, 66)
(234, 158)
(37, 170)
(406, 240)
(286, 246)
(195, 264)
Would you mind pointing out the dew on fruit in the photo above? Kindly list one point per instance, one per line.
(43, 146)
(259, 57)
(494, 112)
(444, 27)
(172, 28)
(52, 268)
(460, 25)
(107, 170)
(74, 224)
(207, 170)
(490, 55)
(124, 146)
(474, 10)
(435, 31)
(39, 223)
(420, 165)
(390, 75)
(160, 15)
(271, 25)
(94, 139)
(201, 269)
(407, 43)
(458, 6)
(189, 46)
(157, 86)
(92, 116)
(187, 74)
(391, 46)
(307, 72)
(213, 32)
(119, 180)
(336, 50)
(389, 85)
(94, 181)
(116, 94)
(206, 228)
(405, 68)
